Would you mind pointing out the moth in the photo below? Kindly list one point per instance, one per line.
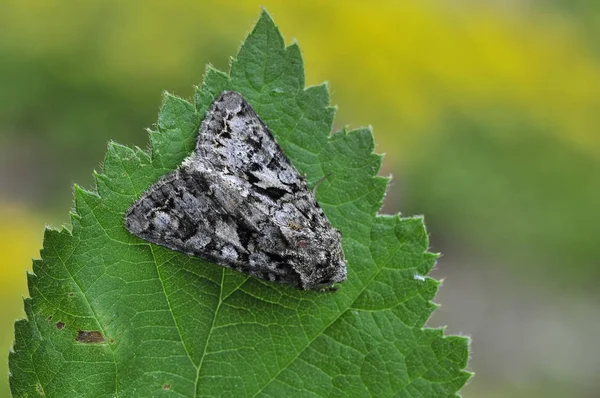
(238, 201)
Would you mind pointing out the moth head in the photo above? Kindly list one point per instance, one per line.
(321, 261)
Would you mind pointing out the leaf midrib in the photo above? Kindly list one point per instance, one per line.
(210, 331)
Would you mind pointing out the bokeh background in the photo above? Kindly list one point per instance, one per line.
(488, 112)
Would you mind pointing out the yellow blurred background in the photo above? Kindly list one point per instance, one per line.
(488, 112)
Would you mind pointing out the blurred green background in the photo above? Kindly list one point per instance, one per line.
(488, 112)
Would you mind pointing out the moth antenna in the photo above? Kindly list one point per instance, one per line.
(320, 181)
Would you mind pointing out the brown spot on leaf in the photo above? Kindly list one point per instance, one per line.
(39, 389)
(50, 318)
(167, 387)
(71, 294)
(90, 337)
(60, 325)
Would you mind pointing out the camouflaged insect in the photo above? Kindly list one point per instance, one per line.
(239, 202)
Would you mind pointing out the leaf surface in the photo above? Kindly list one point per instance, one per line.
(112, 315)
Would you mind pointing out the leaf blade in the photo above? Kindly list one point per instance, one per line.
(176, 324)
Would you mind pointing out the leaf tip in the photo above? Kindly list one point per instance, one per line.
(266, 22)
(264, 15)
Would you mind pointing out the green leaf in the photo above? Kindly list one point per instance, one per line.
(111, 315)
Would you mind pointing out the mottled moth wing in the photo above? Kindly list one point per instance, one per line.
(239, 202)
